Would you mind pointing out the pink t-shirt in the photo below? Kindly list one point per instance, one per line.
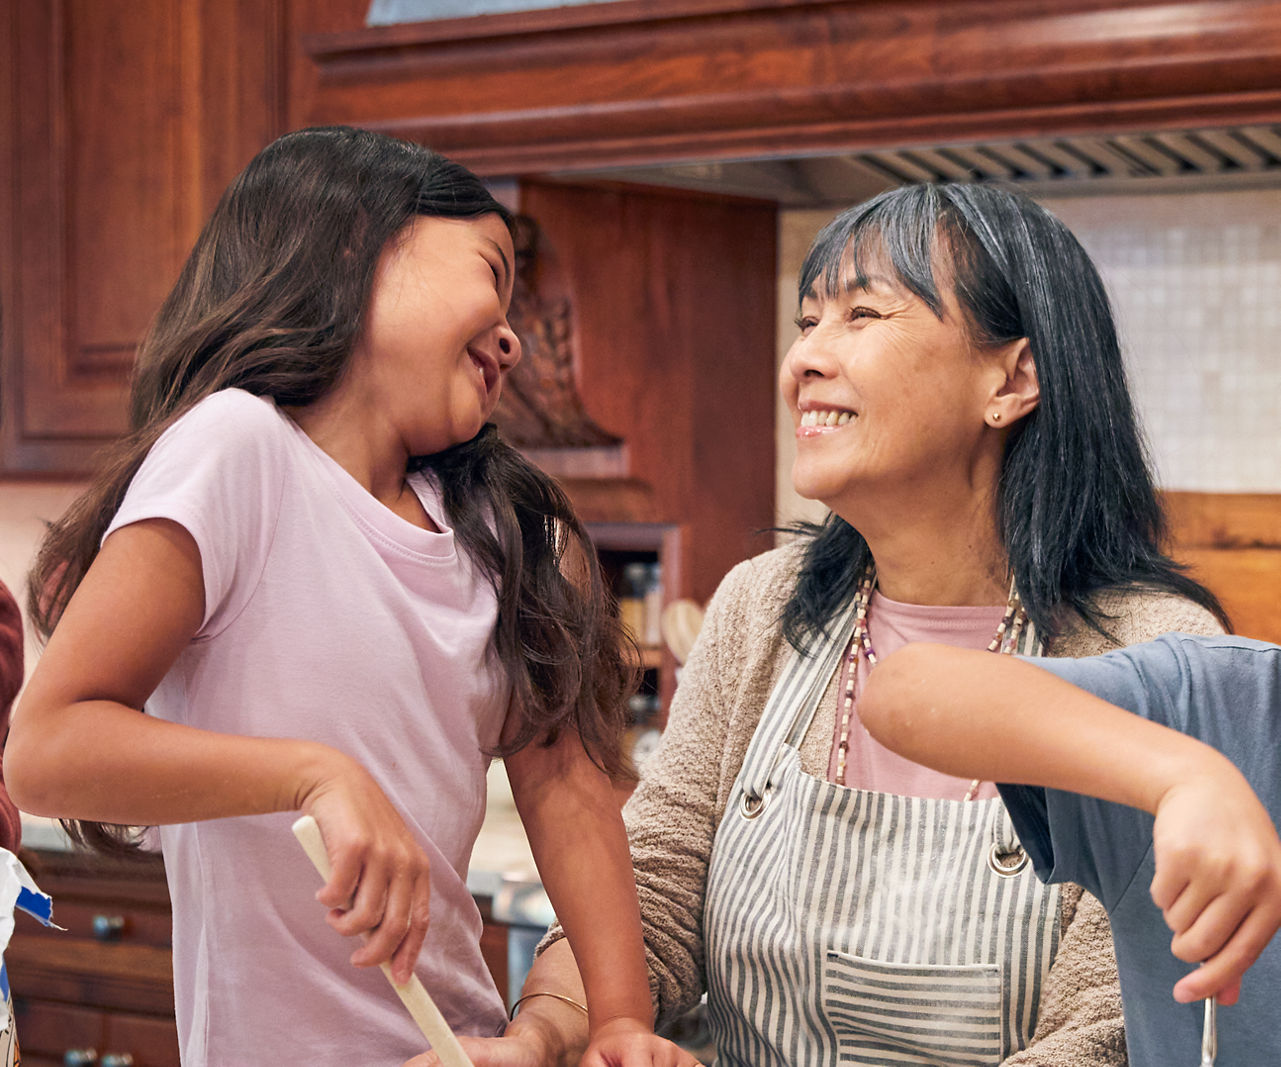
(891, 625)
(327, 617)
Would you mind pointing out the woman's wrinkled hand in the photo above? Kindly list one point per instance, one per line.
(379, 886)
(1218, 881)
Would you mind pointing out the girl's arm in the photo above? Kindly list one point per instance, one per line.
(1218, 876)
(79, 747)
(575, 828)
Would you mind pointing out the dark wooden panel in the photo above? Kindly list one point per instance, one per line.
(135, 978)
(661, 80)
(151, 1042)
(673, 301)
(48, 1030)
(122, 122)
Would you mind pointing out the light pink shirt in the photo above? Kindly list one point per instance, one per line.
(891, 625)
(327, 617)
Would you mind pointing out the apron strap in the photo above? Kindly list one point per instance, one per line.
(796, 696)
(792, 704)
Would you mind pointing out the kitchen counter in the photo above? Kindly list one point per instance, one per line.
(502, 866)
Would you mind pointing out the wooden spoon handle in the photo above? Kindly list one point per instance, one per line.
(412, 994)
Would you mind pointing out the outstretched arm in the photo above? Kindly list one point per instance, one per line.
(575, 828)
(1218, 876)
(80, 748)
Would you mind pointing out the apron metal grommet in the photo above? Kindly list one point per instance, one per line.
(750, 807)
(1006, 864)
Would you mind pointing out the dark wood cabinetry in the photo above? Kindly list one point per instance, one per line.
(99, 993)
(120, 123)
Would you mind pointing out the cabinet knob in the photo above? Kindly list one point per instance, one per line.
(108, 927)
(116, 1059)
(80, 1057)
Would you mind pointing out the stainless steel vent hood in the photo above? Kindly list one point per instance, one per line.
(1220, 158)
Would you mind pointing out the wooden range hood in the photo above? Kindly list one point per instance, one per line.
(651, 81)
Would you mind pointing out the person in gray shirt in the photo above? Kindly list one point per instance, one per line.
(1154, 780)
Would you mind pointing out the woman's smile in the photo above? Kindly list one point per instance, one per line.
(816, 421)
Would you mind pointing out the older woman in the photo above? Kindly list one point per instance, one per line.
(960, 406)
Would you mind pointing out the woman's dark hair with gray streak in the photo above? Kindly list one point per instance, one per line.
(271, 300)
(1077, 508)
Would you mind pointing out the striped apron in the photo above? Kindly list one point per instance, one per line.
(847, 926)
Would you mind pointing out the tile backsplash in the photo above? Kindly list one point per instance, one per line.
(1195, 279)
(1196, 282)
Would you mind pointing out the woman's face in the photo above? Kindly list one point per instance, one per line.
(885, 396)
(436, 343)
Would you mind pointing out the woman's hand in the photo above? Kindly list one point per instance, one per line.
(1218, 880)
(379, 886)
(628, 1043)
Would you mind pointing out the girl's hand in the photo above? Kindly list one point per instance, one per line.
(1218, 880)
(379, 886)
(627, 1042)
(509, 1051)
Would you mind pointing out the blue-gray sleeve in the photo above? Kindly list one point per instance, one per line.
(1074, 838)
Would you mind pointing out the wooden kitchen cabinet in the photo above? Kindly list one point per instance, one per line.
(121, 121)
(103, 986)
(102, 989)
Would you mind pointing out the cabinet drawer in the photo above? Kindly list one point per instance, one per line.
(130, 978)
(108, 921)
(102, 899)
(48, 1031)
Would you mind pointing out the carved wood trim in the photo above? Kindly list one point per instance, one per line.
(540, 406)
(668, 80)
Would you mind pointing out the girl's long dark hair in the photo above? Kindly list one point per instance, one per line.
(271, 301)
(1077, 508)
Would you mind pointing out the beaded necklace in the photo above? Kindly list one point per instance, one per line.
(1005, 640)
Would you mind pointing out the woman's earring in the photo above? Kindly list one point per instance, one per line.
(996, 416)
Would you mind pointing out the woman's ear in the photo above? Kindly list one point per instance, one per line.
(1017, 389)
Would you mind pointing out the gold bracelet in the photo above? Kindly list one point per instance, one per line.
(557, 996)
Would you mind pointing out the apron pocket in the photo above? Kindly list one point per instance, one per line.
(893, 1013)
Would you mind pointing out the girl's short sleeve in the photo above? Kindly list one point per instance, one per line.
(218, 472)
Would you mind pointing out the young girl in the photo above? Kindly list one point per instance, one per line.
(336, 592)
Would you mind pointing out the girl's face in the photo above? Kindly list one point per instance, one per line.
(884, 395)
(436, 343)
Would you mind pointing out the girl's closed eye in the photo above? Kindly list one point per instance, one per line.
(861, 311)
(805, 323)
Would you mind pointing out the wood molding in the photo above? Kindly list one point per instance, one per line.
(669, 80)
(1225, 520)
(1232, 543)
(673, 341)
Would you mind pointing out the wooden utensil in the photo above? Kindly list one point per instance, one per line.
(680, 623)
(412, 994)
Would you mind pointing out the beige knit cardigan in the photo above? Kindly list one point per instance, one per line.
(673, 815)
